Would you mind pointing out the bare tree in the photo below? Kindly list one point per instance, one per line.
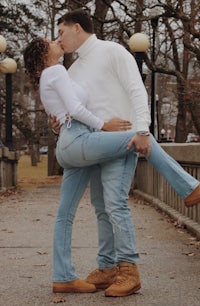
(177, 46)
(177, 54)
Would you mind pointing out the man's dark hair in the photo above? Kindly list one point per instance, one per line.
(80, 16)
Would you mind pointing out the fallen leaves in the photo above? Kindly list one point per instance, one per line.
(190, 254)
(8, 193)
(42, 252)
(58, 299)
(39, 265)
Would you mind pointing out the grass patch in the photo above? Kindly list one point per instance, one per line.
(35, 176)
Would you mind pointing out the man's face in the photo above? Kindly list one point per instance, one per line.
(55, 49)
(68, 37)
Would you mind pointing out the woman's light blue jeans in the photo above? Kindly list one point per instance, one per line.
(78, 148)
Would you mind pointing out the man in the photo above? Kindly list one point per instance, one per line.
(110, 75)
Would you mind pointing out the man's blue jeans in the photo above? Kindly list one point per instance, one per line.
(78, 148)
(109, 186)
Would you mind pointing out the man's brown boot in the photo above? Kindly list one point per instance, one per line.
(194, 197)
(126, 282)
(76, 286)
(102, 279)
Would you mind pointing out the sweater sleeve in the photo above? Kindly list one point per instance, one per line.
(127, 70)
(62, 84)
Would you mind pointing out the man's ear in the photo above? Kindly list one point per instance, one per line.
(77, 28)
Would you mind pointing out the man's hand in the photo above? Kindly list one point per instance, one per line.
(117, 124)
(55, 125)
(142, 144)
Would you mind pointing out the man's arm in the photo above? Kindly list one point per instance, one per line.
(142, 144)
(55, 125)
(128, 73)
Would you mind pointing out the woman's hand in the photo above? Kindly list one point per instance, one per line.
(117, 124)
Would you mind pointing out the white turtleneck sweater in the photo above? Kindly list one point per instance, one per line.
(61, 97)
(109, 73)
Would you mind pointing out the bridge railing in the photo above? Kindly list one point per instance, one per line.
(147, 181)
(150, 183)
(8, 168)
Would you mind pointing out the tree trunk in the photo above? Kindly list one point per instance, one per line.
(194, 108)
(139, 10)
(34, 149)
(99, 17)
(53, 166)
(181, 131)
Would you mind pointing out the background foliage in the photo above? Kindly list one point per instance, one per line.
(177, 53)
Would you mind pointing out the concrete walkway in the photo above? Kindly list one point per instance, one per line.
(169, 257)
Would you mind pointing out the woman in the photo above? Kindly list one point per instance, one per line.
(81, 143)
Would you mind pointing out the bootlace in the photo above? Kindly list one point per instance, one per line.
(122, 275)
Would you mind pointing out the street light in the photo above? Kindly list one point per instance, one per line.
(154, 24)
(163, 138)
(157, 118)
(139, 43)
(8, 66)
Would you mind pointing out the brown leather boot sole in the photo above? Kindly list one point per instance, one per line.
(76, 286)
(102, 286)
(118, 294)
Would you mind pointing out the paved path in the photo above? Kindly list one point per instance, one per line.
(169, 257)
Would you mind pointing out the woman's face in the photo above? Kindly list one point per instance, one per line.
(55, 49)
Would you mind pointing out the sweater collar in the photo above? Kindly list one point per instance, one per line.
(86, 47)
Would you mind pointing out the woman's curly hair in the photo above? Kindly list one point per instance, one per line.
(35, 59)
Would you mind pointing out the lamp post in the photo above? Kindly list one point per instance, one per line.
(169, 134)
(139, 43)
(162, 135)
(8, 66)
(154, 24)
(157, 117)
